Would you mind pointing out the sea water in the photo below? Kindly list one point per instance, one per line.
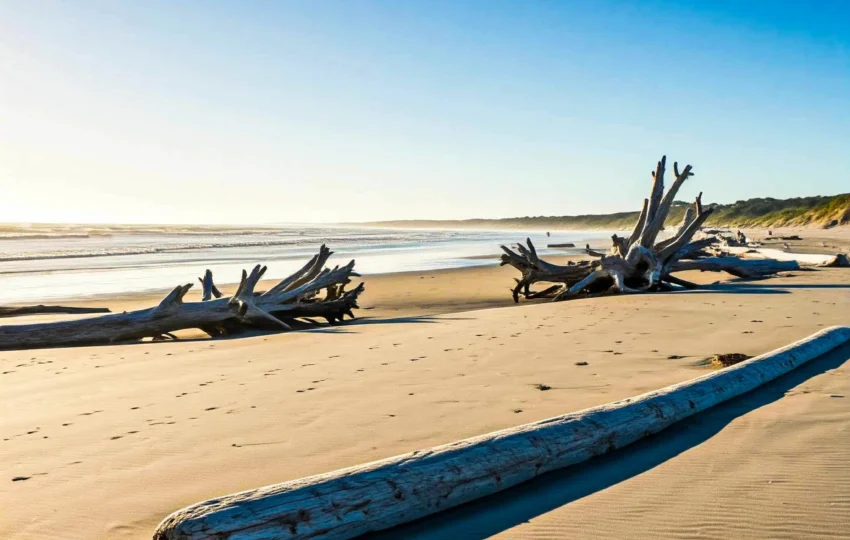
(42, 263)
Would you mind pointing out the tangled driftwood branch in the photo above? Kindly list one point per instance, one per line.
(296, 298)
(639, 262)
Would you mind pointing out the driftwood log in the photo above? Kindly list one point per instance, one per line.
(17, 311)
(383, 494)
(838, 260)
(638, 263)
(738, 267)
(296, 298)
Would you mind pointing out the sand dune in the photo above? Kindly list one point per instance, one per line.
(103, 442)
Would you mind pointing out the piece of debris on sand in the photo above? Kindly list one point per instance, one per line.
(726, 360)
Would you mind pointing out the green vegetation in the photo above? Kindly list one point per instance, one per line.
(803, 211)
(821, 211)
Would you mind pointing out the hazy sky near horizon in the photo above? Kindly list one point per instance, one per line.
(256, 112)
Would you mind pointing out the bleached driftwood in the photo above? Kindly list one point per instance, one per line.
(637, 263)
(805, 259)
(743, 268)
(293, 298)
(379, 495)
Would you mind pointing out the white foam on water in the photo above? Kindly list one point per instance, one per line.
(67, 263)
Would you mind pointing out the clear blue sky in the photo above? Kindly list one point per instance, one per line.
(228, 112)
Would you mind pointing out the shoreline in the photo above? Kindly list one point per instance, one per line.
(836, 240)
(106, 441)
(111, 439)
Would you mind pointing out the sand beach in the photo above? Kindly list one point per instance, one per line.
(103, 442)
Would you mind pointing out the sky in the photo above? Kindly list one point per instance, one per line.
(328, 111)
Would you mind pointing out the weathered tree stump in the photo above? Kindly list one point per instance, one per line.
(640, 262)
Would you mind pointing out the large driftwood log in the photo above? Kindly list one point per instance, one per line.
(17, 311)
(637, 263)
(743, 268)
(293, 298)
(823, 260)
(383, 494)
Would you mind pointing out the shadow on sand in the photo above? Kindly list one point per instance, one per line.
(402, 320)
(496, 513)
(344, 328)
(748, 287)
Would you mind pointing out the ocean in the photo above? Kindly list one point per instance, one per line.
(41, 263)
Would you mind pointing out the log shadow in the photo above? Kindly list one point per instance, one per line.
(756, 288)
(431, 319)
(794, 286)
(501, 511)
(297, 327)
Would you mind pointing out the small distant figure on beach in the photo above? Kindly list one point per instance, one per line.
(547, 234)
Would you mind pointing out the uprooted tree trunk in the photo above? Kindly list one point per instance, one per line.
(638, 263)
(293, 299)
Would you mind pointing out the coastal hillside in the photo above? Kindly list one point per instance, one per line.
(818, 211)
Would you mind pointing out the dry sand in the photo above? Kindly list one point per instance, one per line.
(108, 440)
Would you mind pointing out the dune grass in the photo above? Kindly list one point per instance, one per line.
(818, 211)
